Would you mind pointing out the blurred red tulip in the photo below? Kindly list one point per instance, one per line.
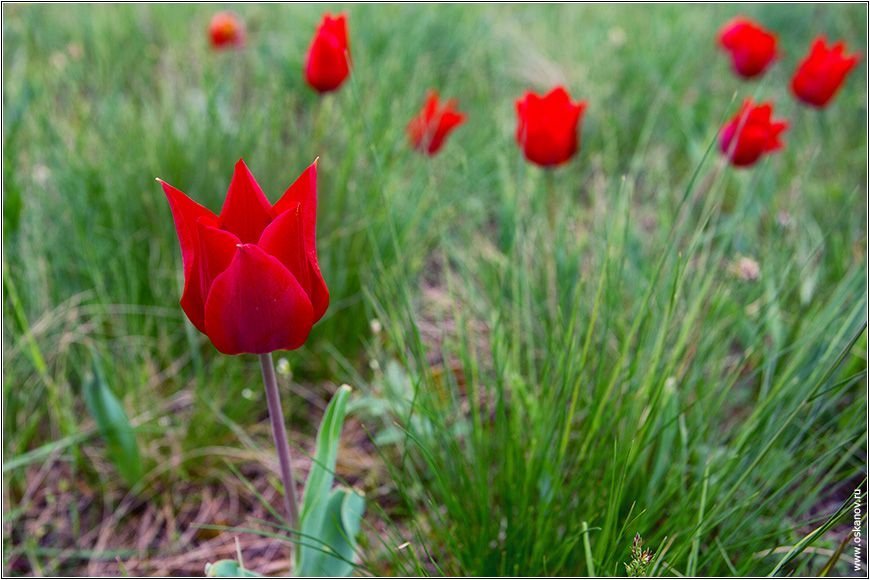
(751, 134)
(821, 74)
(752, 47)
(251, 279)
(428, 130)
(328, 62)
(226, 31)
(548, 126)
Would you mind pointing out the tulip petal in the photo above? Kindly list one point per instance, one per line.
(774, 143)
(303, 192)
(257, 306)
(185, 213)
(430, 108)
(558, 97)
(215, 251)
(319, 290)
(336, 26)
(246, 211)
(283, 239)
(341, 26)
(192, 300)
(450, 120)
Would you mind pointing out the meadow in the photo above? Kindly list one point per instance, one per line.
(544, 363)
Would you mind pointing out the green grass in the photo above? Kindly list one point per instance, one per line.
(540, 392)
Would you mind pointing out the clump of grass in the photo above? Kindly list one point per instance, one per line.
(663, 395)
(539, 391)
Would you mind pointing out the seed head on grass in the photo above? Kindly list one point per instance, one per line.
(640, 558)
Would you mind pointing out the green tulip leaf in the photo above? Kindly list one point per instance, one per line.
(228, 569)
(336, 541)
(113, 425)
(330, 519)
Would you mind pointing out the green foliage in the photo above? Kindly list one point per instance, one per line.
(228, 569)
(12, 207)
(113, 424)
(330, 519)
(334, 544)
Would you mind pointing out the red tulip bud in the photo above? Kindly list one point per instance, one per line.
(226, 31)
(328, 62)
(821, 74)
(548, 127)
(752, 47)
(428, 130)
(751, 134)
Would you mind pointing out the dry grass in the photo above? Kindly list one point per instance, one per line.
(172, 527)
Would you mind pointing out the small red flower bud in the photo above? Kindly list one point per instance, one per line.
(822, 72)
(548, 127)
(226, 31)
(751, 134)
(328, 61)
(428, 130)
(752, 47)
(251, 279)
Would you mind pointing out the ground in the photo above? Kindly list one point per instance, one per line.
(545, 363)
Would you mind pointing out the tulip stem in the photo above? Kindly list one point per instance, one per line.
(280, 435)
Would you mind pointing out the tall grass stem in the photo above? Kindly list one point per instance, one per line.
(552, 282)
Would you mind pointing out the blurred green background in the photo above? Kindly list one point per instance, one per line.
(451, 257)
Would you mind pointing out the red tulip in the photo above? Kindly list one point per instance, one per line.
(226, 30)
(251, 279)
(751, 134)
(547, 127)
(328, 62)
(752, 47)
(428, 130)
(821, 74)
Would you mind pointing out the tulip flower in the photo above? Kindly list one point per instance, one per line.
(548, 126)
(226, 31)
(752, 47)
(328, 61)
(751, 134)
(252, 283)
(821, 74)
(428, 130)
(251, 279)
